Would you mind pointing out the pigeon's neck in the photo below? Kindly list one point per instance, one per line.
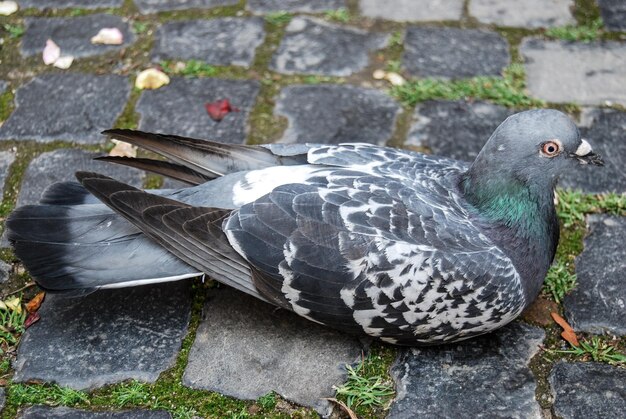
(520, 218)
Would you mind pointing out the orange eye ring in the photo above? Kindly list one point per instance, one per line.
(550, 148)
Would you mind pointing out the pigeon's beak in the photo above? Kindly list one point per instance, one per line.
(585, 155)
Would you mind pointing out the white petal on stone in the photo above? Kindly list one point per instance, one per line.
(64, 62)
(51, 52)
(8, 8)
(123, 149)
(379, 74)
(108, 36)
(395, 79)
(151, 79)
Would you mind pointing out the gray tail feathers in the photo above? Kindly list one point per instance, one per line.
(71, 242)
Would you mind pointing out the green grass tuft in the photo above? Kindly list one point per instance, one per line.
(278, 18)
(191, 68)
(583, 33)
(595, 349)
(559, 281)
(365, 391)
(507, 91)
(45, 394)
(573, 205)
(267, 402)
(14, 31)
(339, 15)
(132, 393)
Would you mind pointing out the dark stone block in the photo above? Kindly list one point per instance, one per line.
(233, 41)
(598, 303)
(332, 114)
(178, 108)
(606, 135)
(313, 46)
(306, 6)
(488, 375)
(456, 129)
(67, 4)
(151, 6)
(246, 348)
(454, 53)
(5, 270)
(48, 412)
(3, 86)
(73, 107)
(106, 337)
(72, 35)
(6, 159)
(613, 14)
(588, 390)
(60, 166)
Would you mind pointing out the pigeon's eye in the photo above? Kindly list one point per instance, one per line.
(550, 148)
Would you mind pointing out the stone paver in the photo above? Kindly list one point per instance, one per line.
(484, 377)
(313, 46)
(60, 166)
(588, 390)
(332, 114)
(72, 106)
(412, 10)
(585, 73)
(307, 6)
(106, 337)
(67, 4)
(178, 108)
(6, 159)
(152, 6)
(45, 412)
(598, 303)
(526, 14)
(606, 133)
(233, 40)
(456, 129)
(245, 348)
(454, 53)
(5, 270)
(613, 14)
(3, 86)
(72, 35)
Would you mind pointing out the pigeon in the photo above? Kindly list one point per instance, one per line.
(408, 248)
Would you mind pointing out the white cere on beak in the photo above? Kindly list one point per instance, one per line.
(583, 149)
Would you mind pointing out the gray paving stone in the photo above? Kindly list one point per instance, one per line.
(60, 166)
(3, 86)
(6, 159)
(585, 73)
(306, 6)
(485, 377)
(5, 270)
(233, 40)
(71, 106)
(152, 6)
(454, 53)
(606, 133)
(523, 14)
(456, 129)
(332, 114)
(73, 35)
(178, 108)
(245, 348)
(588, 390)
(613, 14)
(598, 303)
(313, 46)
(67, 4)
(45, 412)
(412, 10)
(106, 337)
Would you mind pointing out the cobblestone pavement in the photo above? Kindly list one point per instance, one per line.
(303, 71)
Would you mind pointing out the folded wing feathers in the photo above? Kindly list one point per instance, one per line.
(171, 170)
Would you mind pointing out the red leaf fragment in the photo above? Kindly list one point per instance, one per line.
(219, 109)
(568, 333)
(31, 319)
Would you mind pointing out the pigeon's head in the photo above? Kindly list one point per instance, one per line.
(536, 145)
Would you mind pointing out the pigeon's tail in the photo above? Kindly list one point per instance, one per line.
(72, 243)
(196, 161)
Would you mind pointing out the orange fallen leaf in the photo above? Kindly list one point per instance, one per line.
(31, 319)
(33, 305)
(568, 333)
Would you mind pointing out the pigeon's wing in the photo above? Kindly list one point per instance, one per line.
(395, 256)
(193, 234)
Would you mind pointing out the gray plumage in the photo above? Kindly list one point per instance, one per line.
(406, 247)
